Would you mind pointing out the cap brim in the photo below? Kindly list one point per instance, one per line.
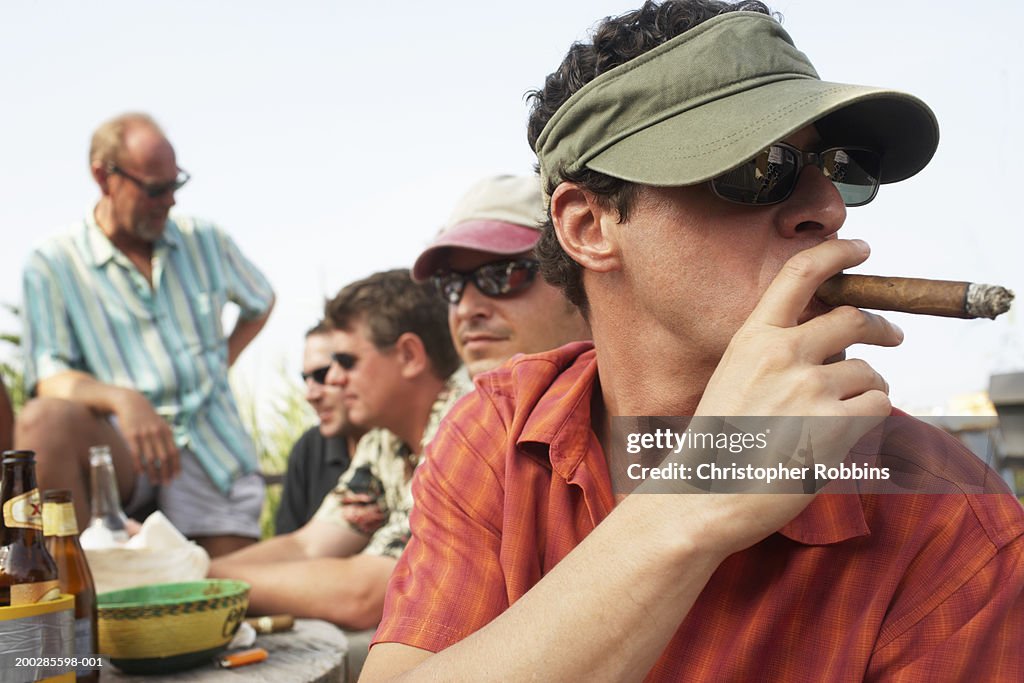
(708, 140)
(494, 237)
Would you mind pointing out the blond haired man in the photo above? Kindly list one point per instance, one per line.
(124, 346)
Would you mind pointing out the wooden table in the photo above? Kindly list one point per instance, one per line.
(312, 652)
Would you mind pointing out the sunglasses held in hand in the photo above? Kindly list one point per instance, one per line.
(496, 279)
(771, 176)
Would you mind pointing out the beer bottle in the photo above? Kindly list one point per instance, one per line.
(107, 525)
(28, 573)
(61, 531)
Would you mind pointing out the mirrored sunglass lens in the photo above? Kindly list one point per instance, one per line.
(765, 179)
(519, 277)
(492, 279)
(854, 172)
(496, 279)
(449, 286)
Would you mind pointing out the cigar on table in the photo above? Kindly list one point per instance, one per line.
(915, 295)
(274, 623)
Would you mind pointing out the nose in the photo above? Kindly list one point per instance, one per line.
(167, 199)
(337, 376)
(814, 208)
(473, 304)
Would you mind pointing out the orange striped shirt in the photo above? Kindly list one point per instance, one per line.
(858, 587)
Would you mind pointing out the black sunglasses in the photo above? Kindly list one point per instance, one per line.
(153, 190)
(319, 375)
(499, 278)
(346, 360)
(771, 176)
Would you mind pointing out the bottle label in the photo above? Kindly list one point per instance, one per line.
(24, 511)
(31, 593)
(59, 519)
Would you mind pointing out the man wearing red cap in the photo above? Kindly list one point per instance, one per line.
(483, 264)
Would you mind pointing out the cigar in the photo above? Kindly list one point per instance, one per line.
(272, 623)
(915, 295)
(242, 658)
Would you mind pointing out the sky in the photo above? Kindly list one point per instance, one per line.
(332, 139)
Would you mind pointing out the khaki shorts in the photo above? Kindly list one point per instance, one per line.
(196, 507)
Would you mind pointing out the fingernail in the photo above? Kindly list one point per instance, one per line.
(899, 331)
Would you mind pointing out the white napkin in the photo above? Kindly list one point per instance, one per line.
(159, 553)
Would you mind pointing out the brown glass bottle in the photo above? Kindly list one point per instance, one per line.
(28, 573)
(61, 531)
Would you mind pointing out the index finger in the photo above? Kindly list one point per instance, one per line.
(795, 284)
(172, 459)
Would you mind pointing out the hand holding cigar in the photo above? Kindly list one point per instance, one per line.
(914, 295)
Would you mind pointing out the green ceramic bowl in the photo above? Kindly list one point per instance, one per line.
(169, 626)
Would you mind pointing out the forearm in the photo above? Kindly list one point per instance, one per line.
(283, 548)
(316, 539)
(245, 331)
(606, 611)
(348, 591)
(81, 387)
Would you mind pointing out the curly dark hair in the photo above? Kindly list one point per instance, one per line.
(615, 41)
(391, 304)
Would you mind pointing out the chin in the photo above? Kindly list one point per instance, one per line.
(477, 367)
(330, 431)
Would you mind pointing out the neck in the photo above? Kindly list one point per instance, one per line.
(411, 421)
(645, 370)
(352, 440)
(134, 248)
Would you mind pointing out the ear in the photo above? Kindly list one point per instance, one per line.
(412, 355)
(102, 177)
(586, 228)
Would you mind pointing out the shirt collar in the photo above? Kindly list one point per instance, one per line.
(558, 429)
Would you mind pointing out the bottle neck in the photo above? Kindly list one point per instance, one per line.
(105, 501)
(59, 519)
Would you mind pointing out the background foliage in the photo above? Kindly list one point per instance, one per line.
(10, 370)
(274, 429)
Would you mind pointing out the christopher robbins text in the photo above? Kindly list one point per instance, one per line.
(766, 475)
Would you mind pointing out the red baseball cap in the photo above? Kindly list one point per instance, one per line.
(500, 215)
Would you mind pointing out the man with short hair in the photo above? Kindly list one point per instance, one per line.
(697, 171)
(395, 366)
(484, 266)
(124, 346)
(322, 453)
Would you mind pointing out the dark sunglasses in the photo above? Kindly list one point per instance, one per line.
(153, 190)
(319, 375)
(771, 176)
(499, 278)
(346, 360)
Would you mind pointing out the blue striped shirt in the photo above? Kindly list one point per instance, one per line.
(88, 308)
